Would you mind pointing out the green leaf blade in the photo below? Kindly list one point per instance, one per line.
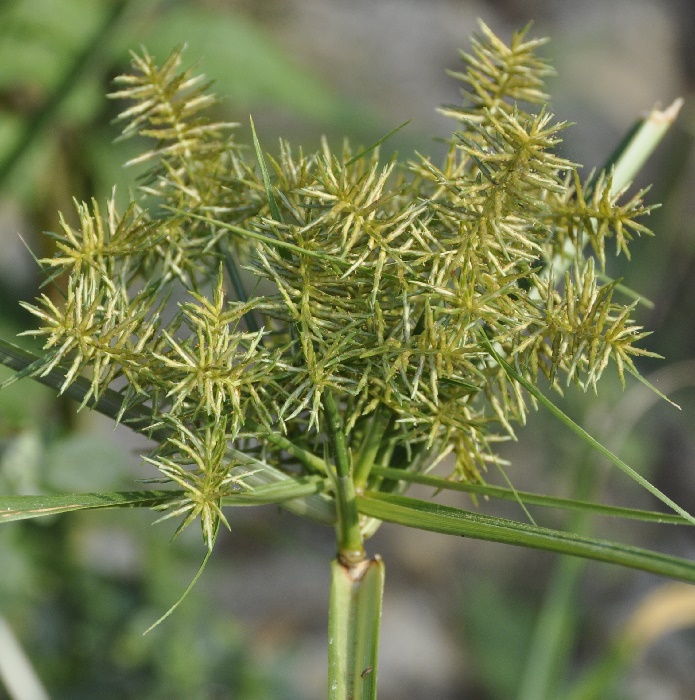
(583, 434)
(272, 204)
(277, 493)
(455, 521)
(529, 498)
(13, 508)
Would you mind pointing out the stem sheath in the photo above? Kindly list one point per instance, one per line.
(353, 629)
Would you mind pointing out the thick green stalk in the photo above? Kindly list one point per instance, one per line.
(349, 537)
(353, 629)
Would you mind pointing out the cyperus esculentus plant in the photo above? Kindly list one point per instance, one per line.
(342, 325)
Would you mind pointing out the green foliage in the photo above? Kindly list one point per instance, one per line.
(392, 287)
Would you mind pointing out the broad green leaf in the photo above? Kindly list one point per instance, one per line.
(455, 521)
(528, 498)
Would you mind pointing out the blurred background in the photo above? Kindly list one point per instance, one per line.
(462, 619)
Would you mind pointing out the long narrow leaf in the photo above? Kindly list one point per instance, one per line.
(278, 492)
(109, 403)
(574, 427)
(623, 165)
(272, 242)
(641, 142)
(455, 521)
(257, 473)
(376, 144)
(275, 212)
(528, 498)
(317, 506)
(189, 588)
(26, 507)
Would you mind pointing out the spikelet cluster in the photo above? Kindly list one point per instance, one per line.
(226, 306)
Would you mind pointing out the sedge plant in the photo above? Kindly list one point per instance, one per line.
(321, 330)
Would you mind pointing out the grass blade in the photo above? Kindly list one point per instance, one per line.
(576, 428)
(26, 507)
(434, 517)
(316, 506)
(274, 211)
(640, 143)
(109, 402)
(272, 242)
(189, 588)
(376, 144)
(276, 493)
(529, 498)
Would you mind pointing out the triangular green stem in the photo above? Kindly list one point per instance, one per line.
(348, 535)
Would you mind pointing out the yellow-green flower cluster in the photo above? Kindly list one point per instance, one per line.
(384, 284)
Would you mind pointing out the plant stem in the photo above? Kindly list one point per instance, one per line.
(349, 537)
(353, 629)
(313, 463)
(378, 424)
